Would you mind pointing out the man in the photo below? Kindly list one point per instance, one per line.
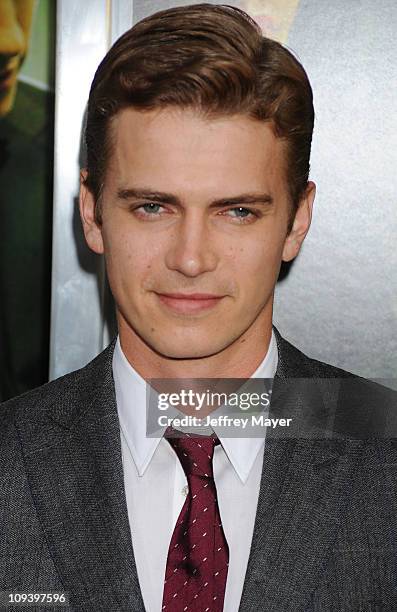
(196, 189)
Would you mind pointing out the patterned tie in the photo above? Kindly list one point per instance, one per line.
(198, 556)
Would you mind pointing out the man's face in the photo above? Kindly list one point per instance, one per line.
(194, 223)
(15, 22)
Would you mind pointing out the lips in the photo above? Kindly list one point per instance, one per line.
(192, 296)
(189, 303)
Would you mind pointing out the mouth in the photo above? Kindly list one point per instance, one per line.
(189, 303)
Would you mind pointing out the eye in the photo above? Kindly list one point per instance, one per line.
(148, 211)
(240, 211)
(150, 207)
(241, 214)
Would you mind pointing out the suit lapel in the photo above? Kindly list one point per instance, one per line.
(303, 492)
(74, 466)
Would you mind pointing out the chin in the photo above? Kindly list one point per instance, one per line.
(188, 349)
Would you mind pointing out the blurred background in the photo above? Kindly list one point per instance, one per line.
(336, 302)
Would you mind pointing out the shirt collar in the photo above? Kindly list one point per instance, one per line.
(130, 390)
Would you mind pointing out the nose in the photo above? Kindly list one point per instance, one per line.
(192, 248)
(12, 38)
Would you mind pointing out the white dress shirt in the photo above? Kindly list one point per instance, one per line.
(156, 486)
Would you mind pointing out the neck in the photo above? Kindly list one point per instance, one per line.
(239, 360)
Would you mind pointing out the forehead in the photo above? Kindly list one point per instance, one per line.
(181, 147)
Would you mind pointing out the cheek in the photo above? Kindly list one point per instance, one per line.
(129, 261)
(258, 257)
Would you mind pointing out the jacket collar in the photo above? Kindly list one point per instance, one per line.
(304, 487)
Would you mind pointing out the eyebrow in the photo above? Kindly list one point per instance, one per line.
(169, 198)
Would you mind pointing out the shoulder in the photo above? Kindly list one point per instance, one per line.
(69, 392)
(361, 408)
(293, 363)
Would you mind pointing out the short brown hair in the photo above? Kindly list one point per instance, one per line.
(212, 58)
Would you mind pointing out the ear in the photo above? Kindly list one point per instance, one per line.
(300, 227)
(92, 230)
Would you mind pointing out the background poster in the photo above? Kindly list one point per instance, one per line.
(27, 51)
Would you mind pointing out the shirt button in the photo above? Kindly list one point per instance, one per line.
(185, 491)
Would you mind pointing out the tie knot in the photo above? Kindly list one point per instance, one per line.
(195, 452)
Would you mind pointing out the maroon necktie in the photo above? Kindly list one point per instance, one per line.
(198, 556)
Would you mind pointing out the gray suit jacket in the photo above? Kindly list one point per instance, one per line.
(325, 535)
